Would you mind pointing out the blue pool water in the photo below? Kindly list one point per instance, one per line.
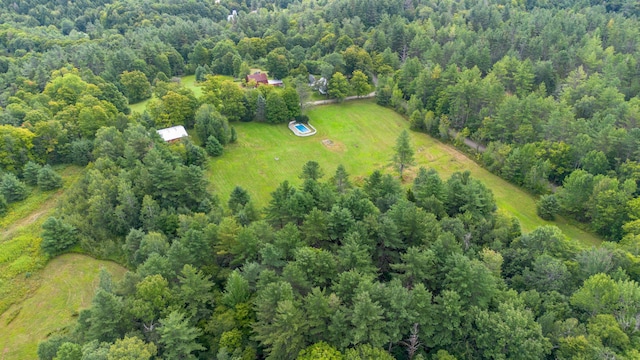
(302, 128)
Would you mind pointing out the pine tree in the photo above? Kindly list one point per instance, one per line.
(404, 153)
(214, 148)
(30, 173)
(12, 188)
(178, 337)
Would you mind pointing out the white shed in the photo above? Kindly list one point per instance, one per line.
(173, 133)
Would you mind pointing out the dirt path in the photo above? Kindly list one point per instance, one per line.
(333, 101)
(43, 209)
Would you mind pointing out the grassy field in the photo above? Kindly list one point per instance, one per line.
(188, 81)
(38, 296)
(68, 283)
(360, 135)
(20, 229)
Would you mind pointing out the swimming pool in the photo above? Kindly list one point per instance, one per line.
(300, 129)
(303, 129)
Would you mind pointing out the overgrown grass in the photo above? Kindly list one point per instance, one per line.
(67, 284)
(20, 253)
(360, 135)
(38, 297)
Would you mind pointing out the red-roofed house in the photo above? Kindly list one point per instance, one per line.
(259, 78)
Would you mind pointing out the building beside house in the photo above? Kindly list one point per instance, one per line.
(173, 133)
(278, 83)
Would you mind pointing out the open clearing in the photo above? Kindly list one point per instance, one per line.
(361, 136)
(67, 285)
(38, 298)
(188, 82)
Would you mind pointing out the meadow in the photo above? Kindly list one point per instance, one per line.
(66, 285)
(359, 135)
(37, 296)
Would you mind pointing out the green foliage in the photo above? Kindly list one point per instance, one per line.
(30, 173)
(338, 87)
(12, 189)
(342, 266)
(403, 156)
(209, 122)
(360, 83)
(177, 337)
(48, 179)
(47, 349)
(136, 86)
(131, 348)
(366, 351)
(320, 351)
(57, 236)
(3, 205)
(213, 146)
(547, 207)
(69, 351)
(276, 108)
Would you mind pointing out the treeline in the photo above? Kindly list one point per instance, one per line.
(336, 271)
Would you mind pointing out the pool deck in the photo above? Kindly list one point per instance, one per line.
(292, 127)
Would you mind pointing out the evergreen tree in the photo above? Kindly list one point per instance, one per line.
(12, 188)
(178, 337)
(238, 199)
(48, 179)
(57, 236)
(403, 156)
(214, 148)
(30, 173)
(276, 108)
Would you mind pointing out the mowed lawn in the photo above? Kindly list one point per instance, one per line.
(68, 283)
(361, 136)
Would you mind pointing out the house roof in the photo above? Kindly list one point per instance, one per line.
(258, 77)
(275, 82)
(173, 133)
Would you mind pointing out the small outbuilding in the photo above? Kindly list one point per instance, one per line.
(173, 133)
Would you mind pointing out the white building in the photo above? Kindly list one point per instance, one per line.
(173, 133)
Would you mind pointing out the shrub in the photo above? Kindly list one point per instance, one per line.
(57, 236)
(302, 119)
(547, 207)
(213, 147)
(48, 179)
(30, 173)
(12, 188)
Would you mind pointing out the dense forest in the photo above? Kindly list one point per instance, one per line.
(334, 268)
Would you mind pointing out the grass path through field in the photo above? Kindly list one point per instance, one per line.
(360, 135)
(39, 297)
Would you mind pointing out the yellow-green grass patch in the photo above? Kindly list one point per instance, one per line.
(265, 155)
(20, 253)
(66, 285)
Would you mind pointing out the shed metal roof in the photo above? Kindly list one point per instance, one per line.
(173, 133)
